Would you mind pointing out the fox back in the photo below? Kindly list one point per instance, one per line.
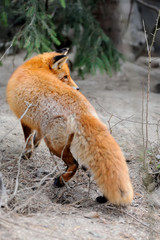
(71, 130)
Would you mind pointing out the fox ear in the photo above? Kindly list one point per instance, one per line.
(58, 61)
(63, 50)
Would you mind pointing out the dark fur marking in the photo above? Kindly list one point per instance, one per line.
(57, 58)
(62, 50)
(122, 193)
(101, 199)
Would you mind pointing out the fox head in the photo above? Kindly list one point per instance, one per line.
(56, 63)
(60, 68)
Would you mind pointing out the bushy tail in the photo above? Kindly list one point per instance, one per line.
(94, 146)
(111, 173)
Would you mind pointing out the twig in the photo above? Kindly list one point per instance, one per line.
(3, 192)
(7, 49)
(4, 165)
(60, 195)
(149, 50)
(158, 130)
(29, 227)
(29, 105)
(143, 137)
(44, 178)
(17, 208)
(110, 129)
(37, 190)
(32, 20)
(143, 223)
(130, 215)
(18, 172)
(124, 119)
(129, 15)
(156, 9)
(79, 201)
(19, 167)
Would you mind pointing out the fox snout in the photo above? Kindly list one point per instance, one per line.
(76, 88)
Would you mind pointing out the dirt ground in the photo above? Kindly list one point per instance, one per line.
(41, 211)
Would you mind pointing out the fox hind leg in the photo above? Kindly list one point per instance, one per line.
(71, 163)
(64, 153)
(72, 166)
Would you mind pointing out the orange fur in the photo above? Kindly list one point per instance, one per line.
(44, 62)
(69, 125)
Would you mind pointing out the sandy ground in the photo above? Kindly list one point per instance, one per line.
(44, 212)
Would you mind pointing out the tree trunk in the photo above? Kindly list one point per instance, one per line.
(108, 15)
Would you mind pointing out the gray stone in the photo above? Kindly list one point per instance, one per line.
(154, 198)
(158, 156)
(151, 186)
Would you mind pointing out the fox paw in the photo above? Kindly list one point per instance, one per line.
(101, 199)
(58, 183)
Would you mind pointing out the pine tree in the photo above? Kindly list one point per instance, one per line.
(42, 25)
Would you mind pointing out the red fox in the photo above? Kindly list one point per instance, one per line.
(54, 62)
(70, 127)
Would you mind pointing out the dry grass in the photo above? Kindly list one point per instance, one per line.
(35, 189)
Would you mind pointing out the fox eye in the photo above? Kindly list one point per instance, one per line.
(65, 77)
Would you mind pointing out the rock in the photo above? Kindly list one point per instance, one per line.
(121, 220)
(158, 156)
(40, 172)
(92, 215)
(154, 198)
(147, 179)
(95, 234)
(128, 157)
(157, 90)
(151, 186)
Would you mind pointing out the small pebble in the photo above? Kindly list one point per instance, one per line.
(154, 198)
(158, 156)
(95, 234)
(151, 186)
(92, 215)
